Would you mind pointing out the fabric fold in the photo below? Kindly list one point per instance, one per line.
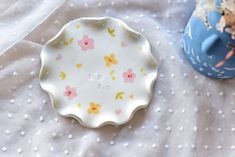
(19, 19)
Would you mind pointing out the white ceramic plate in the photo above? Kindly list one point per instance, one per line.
(98, 71)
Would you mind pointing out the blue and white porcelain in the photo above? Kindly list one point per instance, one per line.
(210, 51)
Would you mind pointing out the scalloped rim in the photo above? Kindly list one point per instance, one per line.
(150, 86)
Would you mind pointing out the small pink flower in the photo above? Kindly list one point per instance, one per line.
(129, 76)
(86, 43)
(70, 92)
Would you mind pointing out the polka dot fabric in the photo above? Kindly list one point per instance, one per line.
(189, 115)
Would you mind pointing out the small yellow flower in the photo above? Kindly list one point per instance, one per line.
(77, 26)
(94, 108)
(109, 60)
(79, 65)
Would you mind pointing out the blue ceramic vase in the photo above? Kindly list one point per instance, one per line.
(210, 51)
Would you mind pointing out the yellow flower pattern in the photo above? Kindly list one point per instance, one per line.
(110, 60)
(78, 65)
(94, 108)
(95, 74)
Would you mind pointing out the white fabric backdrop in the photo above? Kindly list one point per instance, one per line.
(189, 116)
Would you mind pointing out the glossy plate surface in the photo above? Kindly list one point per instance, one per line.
(98, 71)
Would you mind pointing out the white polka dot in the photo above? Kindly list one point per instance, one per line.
(22, 133)
(44, 101)
(158, 109)
(26, 116)
(181, 128)
(41, 118)
(35, 149)
(30, 86)
(221, 93)
(220, 112)
(15, 73)
(12, 101)
(70, 136)
(54, 134)
(170, 110)
(155, 127)
(208, 94)
(154, 145)
(111, 142)
(19, 150)
(126, 144)
(9, 115)
(129, 127)
(168, 128)
(4, 149)
(56, 119)
(29, 101)
(193, 146)
(7, 132)
(219, 147)
(66, 152)
(232, 147)
(166, 146)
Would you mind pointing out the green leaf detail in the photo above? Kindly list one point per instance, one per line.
(62, 75)
(112, 75)
(65, 43)
(143, 71)
(111, 32)
(112, 72)
(119, 95)
(71, 40)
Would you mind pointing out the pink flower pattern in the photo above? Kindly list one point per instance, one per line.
(129, 76)
(86, 43)
(70, 92)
